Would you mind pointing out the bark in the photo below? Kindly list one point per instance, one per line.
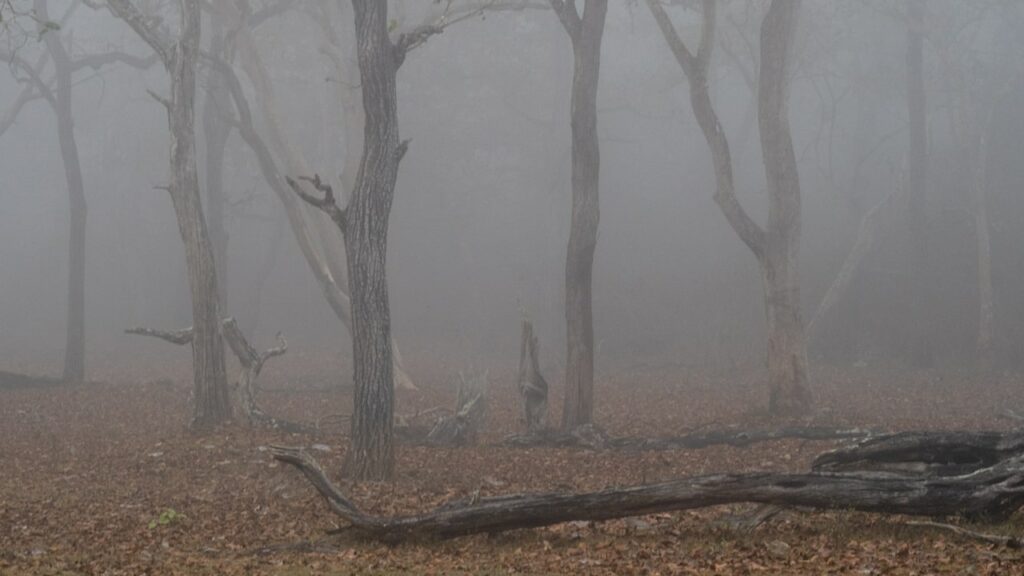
(74, 348)
(787, 347)
(363, 223)
(585, 32)
(216, 132)
(532, 385)
(917, 215)
(210, 389)
(993, 491)
(776, 247)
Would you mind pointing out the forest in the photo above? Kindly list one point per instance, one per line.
(301, 287)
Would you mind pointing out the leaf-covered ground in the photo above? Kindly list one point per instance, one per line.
(105, 479)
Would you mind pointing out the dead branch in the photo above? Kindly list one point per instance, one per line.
(993, 491)
(176, 337)
(737, 437)
(1007, 541)
(532, 385)
(251, 362)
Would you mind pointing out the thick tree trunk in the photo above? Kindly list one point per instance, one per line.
(989, 487)
(787, 346)
(532, 385)
(210, 388)
(585, 31)
(216, 133)
(371, 456)
(917, 215)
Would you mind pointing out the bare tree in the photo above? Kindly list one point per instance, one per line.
(777, 246)
(585, 32)
(57, 91)
(363, 222)
(179, 57)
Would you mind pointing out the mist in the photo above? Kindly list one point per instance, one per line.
(905, 263)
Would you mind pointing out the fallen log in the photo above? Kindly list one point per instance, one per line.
(737, 437)
(14, 380)
(924, 453)
(995, 491)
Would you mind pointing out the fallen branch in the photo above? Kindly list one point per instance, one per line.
(1008, 541)
(724, 437)
(13, 380)
(995, 491)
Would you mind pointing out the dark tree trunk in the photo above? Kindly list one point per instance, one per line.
(787, 346)
(74, 348)
(917, 215)
(216, 132)
(585, 31)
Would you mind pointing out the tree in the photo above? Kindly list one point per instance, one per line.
(363, 222)
(212, 404)
(58, 93)
(776, 247)
(585, 32)
(318, 239)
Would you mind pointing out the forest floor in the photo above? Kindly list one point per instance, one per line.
(104, 478)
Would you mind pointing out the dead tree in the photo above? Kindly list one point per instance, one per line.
(989, 488)
(462, 427)
(585, 32)
(57, 91)
(532, 385)
(776, 247)
(179, 57)
(251, 361)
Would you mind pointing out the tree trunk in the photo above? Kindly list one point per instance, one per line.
(210, 388)
(371, 456)
(74, 348)
(216, 132)
(917, 216)
(787, 346)
(585, 31)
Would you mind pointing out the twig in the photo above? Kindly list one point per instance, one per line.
(1008, 541)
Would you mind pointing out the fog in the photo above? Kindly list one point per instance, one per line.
(481, 214)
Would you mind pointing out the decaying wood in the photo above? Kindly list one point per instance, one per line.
(532, 385)
(992, 491)
(595, 440)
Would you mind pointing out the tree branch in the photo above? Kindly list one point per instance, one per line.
(326, 204)
(143, 26)
(569, 16)
(177, 337)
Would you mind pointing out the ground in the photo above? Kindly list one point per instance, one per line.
(104, 478)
